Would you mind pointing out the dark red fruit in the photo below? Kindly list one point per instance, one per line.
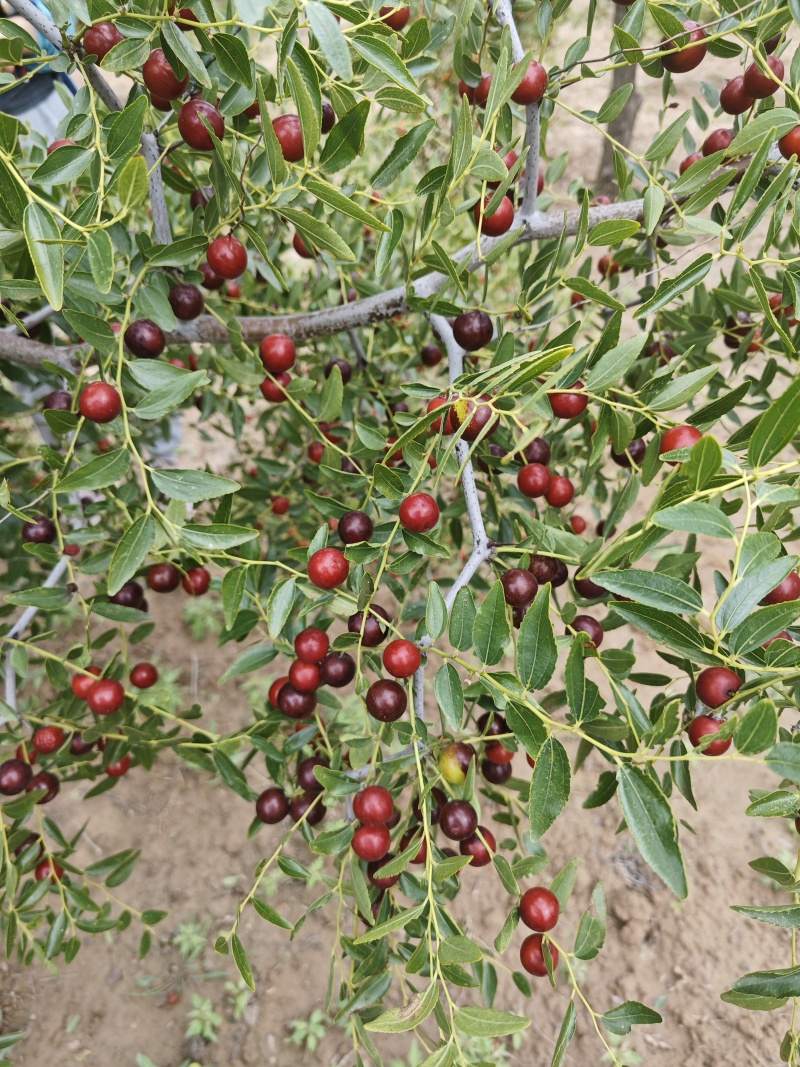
(272, 806)
(42, 531)
(543, 568)
(480, 846)
(100, 39)
(789, 589)
(293, 703)
(300, 247)
(533, 480)
(396, 18)
(733, 99)
(431, 355)
(373, 873)
(472, 330)
(482, 90)
(691, 159)
(303, 804)
(79, 747)
(588, 589)
(701, 727)
(345, 369)
(559, 492)
(227, 256)
(82, 683)
(355, 527)
(371, 843)
(191, 119)
(144, 339)
(458, 820)
(46, 784)
(337, 669)
(401, 658)
(374, 633)
(475, 415)
(160, 78)
(531, 953)
(278, 353)
(290, 137)
(539, 909)
(717, 141)
(492, 723)
(144, 675)
(420, 844)
(386, 700)
(15, 774)
(679, 437)
(761, 84)
(633, 453)
(419, 513)
(275, 689)
(568, 405)
(496, 773)
(187, 302)
(99, 402)
(279, 505)
(106, 696)
(499, 222)
(328, 568)
(538, 451)
(58, 400)
(374, 804)
(519, 587)
(311, 645)
(48, 739)
(120, 768)
(496, 752)
(211, 280)
(275, 391)
(196, 581)
(533, 86)
(328, 117)
(587, 625)
(716, 685)
(789, 144)
(690, 55)
(578, 524)
(306, 778)
(305, 676)
(48, 869)
(163, 577)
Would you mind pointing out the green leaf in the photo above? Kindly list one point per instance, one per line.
(653, 588)
(672, 288)
(279, 606)
(565, 1035)
(332, 41)
(614, 105)
(318, 232)
(612, 231)
(97, 473)
(613, 364)
(43, 239)
(266, 911)
(589, 291)
(397, 922)
(336, 199)
(44, 598)
(592, 927)
(215, 537)
(754, 581)
(536, 644)
(583, 696)
(346, 139)
(786, 916)
(100, 252)
(784, 759)
(95, 331)
(779, 804)
(307, 110)
(776, 427)
(66, 164)
(664, 143)
(550, 787)
(703, 463)
(233, 59)
(330, 403)
(654, 201)
(232, 594)
(242, 962)
(758, 728)
(763, 624)
(193, 486)
(379, 53)
(779, 119)
(621, 1019)
(131, 552)
(410, 1016)
(681, 389)
(491, 630)
(458, 949)
(462, 620)
(487, 1022)
(781, 984)
(652, 824)
(405, 151)
(250, 660)
(695, 517)
(161, 401)
(435, 612)
(449, 696)
(177, 46)
(131, 185)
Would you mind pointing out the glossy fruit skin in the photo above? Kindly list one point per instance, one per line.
(68, 142)
(587, 625)
(436, 425)
(196, 581)
(789, 144)
(163, 577)
(473, 330)
(419, 513)
(386, 700)
(48, 869)
(533, 480)
(373, 805)
(120, 768)
(345, 369)
(186, 301)
(301, 248)
(42, 531)
(559, 492)
(689, 57)
(759, 84)
(431, 355)
(466, 90)
(160, 78)
(371, 843)
(481, 851)
(211, 280)
(279, 505)
(100, 402)
(15, 774)
(401, 658)
(290, 137)
(789, 589)
(533, 86)
(454, 760)
(191, 128)
(293, 703)
(82, 683)
(338, 669)
(539, 909)
(496, 773)
(635, 452)
(382, 882)
(492, 723)
(106, 696)
(499, 222)
(144, 339)
(275, 391)
(48, 739)
(278, 353)
(374, 633)
(691, 159)
(396, 18)
(734, 99)
(305, 676)
(568, 405)
(519, 587)
(701, 727)
(496, 752)
(716, 685)
(45, 783)
(272, 806)
(300, 805)
(100, 39)
(476, 416)
(531, 954)
(578, 524)
(79, 747)
(275, 688)
(458, 820)
(227, 256)
(717, 141)
(328, 569)
(328, 117)
(144, 675)
(355, 527)
(311, 645)
(543, 568)
(58, 400)
(588, 589)
(679, 437)
(306, 778)
(482, 90)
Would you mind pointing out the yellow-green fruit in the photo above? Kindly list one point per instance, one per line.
(454, 760)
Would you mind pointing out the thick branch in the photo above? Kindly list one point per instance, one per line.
(18, 349)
